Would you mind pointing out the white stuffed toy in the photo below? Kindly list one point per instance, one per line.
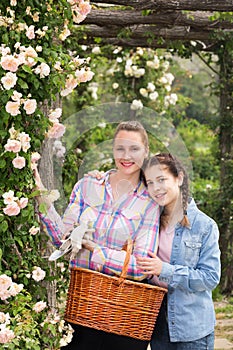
(74, 242)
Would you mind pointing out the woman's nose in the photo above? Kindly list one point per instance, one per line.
(126, 154)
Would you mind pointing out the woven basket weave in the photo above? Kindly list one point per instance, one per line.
(113, 304)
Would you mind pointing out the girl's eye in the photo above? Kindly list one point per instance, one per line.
(119, 149)
(149, 183)
(135, 149)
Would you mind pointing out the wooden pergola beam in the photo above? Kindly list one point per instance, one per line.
(193, 5)
(148, 36)
(157, 23)
(124, 18)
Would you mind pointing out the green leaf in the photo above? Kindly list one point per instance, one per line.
(19, 241)
(2, 163)
(43, 208)
(22, 84)
(4, 226)
(27, 69)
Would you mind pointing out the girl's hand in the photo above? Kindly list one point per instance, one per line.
(150, 266)
(96, 174)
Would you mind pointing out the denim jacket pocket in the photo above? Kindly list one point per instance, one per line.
(192, 251)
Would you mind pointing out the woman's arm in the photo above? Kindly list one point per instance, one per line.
(144, 239)
(58, 227)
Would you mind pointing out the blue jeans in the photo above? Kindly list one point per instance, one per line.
(161, 341)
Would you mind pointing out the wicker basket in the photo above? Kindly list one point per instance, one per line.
(113, 304)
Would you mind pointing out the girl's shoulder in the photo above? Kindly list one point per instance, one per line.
(199, 219)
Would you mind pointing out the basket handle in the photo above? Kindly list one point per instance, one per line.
(124, 271)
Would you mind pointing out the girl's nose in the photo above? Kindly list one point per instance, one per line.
(155, 187)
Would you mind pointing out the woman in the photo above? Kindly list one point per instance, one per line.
(187, 260)
(118, 207)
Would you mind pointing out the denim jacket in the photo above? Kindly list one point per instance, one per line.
(192, 274)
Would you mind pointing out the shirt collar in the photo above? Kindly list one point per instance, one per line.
(139, 189)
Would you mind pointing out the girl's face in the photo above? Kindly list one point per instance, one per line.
(163, 186)
(129, 152)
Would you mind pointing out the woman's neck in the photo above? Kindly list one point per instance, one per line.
(122, 184)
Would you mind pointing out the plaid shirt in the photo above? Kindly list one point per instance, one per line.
(133, 216)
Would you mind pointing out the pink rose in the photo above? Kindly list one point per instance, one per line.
(23, 137)
(30, 106)
(55, 114)
(39, 306)
(9, 197)
(56, 131)
(13, 108)
(84, 8)
(23, 202)
(9, 80)
(84, 75)
(35, 157)
(6, 335)
(38, 274)
(15, 289)
(34, 230)
(12, 209)
(5, 283)
(10, 63)
(77, 17)
(13, 146)
(71, 82)
(30, 32)
(19, 162)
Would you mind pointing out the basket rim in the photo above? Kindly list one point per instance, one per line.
(116, 278)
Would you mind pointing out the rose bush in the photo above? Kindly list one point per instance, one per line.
(35, 68)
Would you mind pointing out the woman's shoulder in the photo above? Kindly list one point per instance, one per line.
(90, 190)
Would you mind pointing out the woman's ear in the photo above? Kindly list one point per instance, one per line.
(147, 152)
(180, 178)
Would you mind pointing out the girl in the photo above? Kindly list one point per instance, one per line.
(118, 206)
(187, 261)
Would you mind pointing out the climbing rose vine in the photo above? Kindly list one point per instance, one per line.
(35, 70)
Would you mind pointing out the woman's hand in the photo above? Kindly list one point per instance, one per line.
(38, 182)
(43, 197)
(150, 266)
(89, 244)
(96, 174)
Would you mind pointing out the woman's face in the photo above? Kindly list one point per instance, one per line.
(129, 152)
(163, 186)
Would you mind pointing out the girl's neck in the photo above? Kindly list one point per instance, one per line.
(172, 215)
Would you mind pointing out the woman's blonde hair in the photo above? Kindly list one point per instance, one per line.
(133, 125)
